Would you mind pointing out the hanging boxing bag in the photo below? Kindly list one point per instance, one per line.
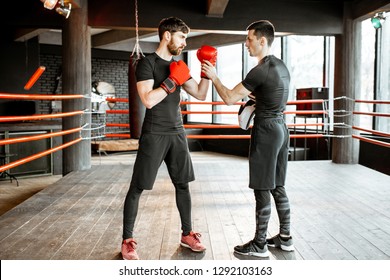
(136, 108)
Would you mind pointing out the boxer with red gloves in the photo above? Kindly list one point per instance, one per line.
(178, 76)
(163, 137)
(207, 53)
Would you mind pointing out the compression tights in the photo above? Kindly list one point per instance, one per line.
(263, 211)
(130, 210)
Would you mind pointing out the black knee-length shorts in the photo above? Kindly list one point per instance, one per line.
(268, 155)
(153, 150)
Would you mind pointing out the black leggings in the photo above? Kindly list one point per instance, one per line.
(130, 210)
(263, 211)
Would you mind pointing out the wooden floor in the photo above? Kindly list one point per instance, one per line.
(339, 212)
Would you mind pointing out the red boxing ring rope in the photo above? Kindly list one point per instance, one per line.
(117, 111)
(119, 135)
(38, 155)
(373, 101)
(375, 132)
(302, 112)
(237, 126)
(305, 112)
(248, 136)
(38, 137)
(39, 96)
(372, 141)
(39, 117)
(295, 102)
(115, 99)
(372, 114)
(208, 112)
(126, 125)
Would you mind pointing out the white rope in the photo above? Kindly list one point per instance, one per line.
(137, 48)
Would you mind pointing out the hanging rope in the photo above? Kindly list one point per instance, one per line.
(137, 48)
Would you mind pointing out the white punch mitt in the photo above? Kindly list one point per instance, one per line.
(246, 114)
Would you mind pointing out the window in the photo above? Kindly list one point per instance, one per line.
(367, 69)
(229, 68)
(194, 66)
(309, 59)
(374, 75)
(383, 75)
(305, 58)
(233, 64)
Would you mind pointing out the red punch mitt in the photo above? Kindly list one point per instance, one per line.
(180, 73)
(208, 53)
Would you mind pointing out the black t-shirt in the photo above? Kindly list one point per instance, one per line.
(269, 82)
(165, 117)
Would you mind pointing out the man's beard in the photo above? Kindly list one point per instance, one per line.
(173, 50)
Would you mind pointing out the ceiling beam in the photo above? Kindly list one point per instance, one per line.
(114, 36)
(299, 17)
(362, 9)
(216, 8)
(25, 34)
(196, 42)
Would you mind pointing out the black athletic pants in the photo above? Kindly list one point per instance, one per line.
(183, 203)
(263, 211)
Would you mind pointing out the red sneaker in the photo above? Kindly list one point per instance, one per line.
(192, 241)
(128, 249)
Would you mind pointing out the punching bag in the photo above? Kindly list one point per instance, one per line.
(136, 108)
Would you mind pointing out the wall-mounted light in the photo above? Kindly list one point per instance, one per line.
(64, 9)
(49, 4)
(61, 7)
(378, 20)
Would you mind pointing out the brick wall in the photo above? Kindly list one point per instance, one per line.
(112, 71)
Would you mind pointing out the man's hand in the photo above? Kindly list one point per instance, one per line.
(207, 53)
(209, 70)
(180, 73)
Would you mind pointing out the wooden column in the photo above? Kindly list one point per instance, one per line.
(345, 149)
(76, 77)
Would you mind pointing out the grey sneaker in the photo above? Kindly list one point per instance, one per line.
(281, 242)
(253, 248)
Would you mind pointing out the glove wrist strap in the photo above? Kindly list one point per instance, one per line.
(168, 85)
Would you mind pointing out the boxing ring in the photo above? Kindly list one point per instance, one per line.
(385, 135)
(324, 113)
(7, 119)
(123, 133)
(101, 133)
(236, 126)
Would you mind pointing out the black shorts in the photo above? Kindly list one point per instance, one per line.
(268, 155)
(153, 150)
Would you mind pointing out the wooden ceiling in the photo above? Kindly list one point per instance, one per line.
(213, 21)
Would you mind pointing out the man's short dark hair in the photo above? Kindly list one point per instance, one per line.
(263, 28)
(172, 24)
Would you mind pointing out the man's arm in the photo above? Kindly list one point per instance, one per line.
(199, 91)
(149, 96)
(229, 96)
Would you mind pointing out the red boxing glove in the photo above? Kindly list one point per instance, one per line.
(180, 73)
(208, 53)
